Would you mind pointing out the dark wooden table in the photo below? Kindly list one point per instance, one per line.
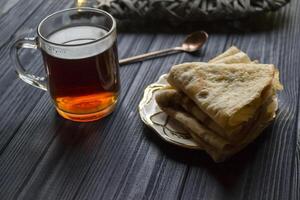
(43, 156)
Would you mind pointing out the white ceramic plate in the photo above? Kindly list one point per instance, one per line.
(155, 118)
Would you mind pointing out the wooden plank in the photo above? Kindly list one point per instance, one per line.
(17, 98)
(6, 6)
(20, 11)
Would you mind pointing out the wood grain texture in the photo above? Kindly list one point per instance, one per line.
(18, 99)
(43, 156)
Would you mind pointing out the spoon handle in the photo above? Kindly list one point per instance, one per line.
(150, 55)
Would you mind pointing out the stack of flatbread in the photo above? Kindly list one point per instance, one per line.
(224, 104)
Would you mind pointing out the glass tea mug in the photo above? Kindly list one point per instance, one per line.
(79, 50)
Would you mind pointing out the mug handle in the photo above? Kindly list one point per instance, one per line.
(27, 43)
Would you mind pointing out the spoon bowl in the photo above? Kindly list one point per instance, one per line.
(194, 41)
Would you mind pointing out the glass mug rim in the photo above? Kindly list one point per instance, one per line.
(95, 10)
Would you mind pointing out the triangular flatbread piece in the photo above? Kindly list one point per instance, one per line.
(229, 93)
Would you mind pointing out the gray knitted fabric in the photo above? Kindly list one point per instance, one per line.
(179, 11)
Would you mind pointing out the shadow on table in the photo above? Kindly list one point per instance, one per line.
(75, 134)
(227, 172)
(258, 23)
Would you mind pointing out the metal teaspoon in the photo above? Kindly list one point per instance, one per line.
(191, 43)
